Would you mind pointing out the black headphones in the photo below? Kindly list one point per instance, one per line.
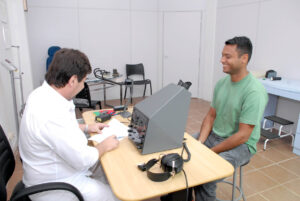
(170, 163)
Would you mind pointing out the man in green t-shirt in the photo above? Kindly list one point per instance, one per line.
(231, 128)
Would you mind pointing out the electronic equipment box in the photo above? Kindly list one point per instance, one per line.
(158, 122)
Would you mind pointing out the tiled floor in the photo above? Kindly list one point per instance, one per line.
(271, 175)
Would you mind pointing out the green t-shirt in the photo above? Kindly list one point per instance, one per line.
(239, 102)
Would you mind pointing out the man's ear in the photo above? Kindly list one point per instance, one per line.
(245, 58)
(72, 80)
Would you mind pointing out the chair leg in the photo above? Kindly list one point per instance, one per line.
(150, 88)
(293, 139)
(121, 95)
(265, 144)
(144, 90)
(125, 92)
(241, 183)
(234, 184)
(131, 93)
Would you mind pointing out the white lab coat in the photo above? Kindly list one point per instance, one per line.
(53, 148)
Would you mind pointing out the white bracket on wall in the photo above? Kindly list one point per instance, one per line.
(8, 65)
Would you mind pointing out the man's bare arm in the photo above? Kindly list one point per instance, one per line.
(236, 139)
(207, 124)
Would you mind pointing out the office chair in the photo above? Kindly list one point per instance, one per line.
(137, 69)
(83, 99)
(51, 52)
(20, 192)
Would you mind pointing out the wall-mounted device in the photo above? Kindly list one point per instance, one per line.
(158, 122)
(11, 69)
(9, 65)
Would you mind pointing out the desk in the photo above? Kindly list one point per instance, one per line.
(129, 183)
(283, 88)
(107, 82)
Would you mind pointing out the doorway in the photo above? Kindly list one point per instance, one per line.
(181, 48)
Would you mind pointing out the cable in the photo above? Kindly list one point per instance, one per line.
(186, 160)
(187, 185)
(187, 151)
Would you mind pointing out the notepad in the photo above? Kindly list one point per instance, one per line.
(115, 128)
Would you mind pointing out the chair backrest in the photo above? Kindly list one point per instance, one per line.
(51, 52)
(7, 164)
(85, 94)
(135, 69)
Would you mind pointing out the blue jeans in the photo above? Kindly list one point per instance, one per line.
(236, 156)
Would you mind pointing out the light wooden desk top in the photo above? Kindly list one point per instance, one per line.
(129, 183)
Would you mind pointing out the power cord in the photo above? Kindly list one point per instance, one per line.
(186, 160)
(187, 185)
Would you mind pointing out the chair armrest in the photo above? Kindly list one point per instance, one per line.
(21, 191)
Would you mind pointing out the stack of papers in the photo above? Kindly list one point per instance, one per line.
(115, 128)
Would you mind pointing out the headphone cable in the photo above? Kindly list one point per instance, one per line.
(187, 185)
(186, 160)
(187, 151)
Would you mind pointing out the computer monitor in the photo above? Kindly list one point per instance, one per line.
(158, 122)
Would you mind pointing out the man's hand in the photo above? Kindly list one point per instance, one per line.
(108, 144)
(96, 127)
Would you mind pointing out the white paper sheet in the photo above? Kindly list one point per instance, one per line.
(115, 128)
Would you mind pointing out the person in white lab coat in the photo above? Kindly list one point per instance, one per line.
(53, 146)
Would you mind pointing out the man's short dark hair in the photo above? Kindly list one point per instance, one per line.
(243, 45)
(65, 64)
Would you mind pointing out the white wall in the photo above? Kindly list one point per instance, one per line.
(113, 33)
(273, 27)
(7, 118)
(12, 18)
(110, 33)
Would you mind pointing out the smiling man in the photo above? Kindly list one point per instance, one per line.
(232, 126)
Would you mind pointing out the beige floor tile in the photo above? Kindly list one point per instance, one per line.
(195, 127)
(292, 165)
(221, 196)
(255, 182)
(224, 191)
(293, 186)
(260, 146)
(248, 168)
(256, 197)
(274, 143)
(286, 149)
(280, 194)
(275, 154)
(278, 173)
(258, 161)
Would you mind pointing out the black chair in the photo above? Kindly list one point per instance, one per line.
(20, 192)
(137, 69)
(83, 99)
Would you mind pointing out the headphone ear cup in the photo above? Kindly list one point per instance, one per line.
(167, 162)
